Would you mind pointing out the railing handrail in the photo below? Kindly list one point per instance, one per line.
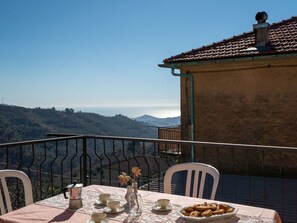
(175, 141)
(65, 136)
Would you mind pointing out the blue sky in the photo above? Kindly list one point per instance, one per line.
(70, 53)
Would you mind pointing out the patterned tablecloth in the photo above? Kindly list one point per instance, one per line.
(91, 204)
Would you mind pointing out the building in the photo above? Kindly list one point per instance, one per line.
(242, 89)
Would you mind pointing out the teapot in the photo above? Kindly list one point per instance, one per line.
(75, 191)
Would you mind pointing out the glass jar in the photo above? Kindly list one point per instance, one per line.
(135, 201)
(129, 191)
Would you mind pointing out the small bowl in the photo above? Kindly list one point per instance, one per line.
(97, 217)
(113, 205)
(104, 197)
(163, 203)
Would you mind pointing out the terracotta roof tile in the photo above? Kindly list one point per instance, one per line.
(282, 36)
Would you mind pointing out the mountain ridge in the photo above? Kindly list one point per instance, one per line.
(159, 122)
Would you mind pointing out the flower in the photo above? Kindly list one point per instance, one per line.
(124, 178)
(136, 171)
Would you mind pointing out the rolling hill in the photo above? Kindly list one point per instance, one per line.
(19, 123)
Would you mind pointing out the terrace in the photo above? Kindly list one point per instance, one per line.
(55, 162)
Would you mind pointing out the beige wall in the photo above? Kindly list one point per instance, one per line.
(247, 101)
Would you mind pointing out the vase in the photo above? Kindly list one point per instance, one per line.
(135, 201)
(129, 191)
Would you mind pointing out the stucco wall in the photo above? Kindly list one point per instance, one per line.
(249, 102)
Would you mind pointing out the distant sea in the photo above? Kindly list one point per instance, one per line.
(131, 112)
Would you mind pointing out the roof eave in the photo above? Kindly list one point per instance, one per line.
(183, 64)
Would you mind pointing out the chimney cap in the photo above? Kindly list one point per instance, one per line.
(261, 17)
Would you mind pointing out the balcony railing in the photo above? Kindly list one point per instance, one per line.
(263, 176)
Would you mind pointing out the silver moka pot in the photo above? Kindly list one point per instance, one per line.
(75, 191)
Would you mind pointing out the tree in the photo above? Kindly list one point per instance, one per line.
(69, 111)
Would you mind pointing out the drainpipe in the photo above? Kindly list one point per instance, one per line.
(191, 107)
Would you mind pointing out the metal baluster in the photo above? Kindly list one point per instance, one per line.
(249, 178)
(235, 177)
(71, 161)
(40, 167)
(124, 154)
(21, 158)
(33, 158)
(159, 169)
(84, 155)
(7, 158)
(218, 155)
(17, 181)
(52, 164)
(147, 164)
(265, 178)
(109, 161)
(134, 156)
(89, 161)
(62, 161)
(117, 159)
(283, 187)
(100, 160)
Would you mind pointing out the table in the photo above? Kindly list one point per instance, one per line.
(55, 209)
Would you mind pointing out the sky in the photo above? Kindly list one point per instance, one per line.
(105, 53)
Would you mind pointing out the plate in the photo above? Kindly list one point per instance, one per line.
(109, 211)
(91, 221)
(211, 218)
(158, 208)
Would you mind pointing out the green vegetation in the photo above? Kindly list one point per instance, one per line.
(19, 123)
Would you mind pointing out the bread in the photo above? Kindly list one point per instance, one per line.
(207, 213)
(219, 211)
(195, 213)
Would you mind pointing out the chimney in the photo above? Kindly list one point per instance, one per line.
(261, 29)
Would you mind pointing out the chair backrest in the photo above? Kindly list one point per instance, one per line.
(195, 168)
(26, 184)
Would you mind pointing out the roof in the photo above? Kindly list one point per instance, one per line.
(283, 40)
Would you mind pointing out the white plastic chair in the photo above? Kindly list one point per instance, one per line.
(196, 168)
(26, 184)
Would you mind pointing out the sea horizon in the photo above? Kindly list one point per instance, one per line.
(131, 111)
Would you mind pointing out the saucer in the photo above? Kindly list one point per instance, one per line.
(109, 211)
(91, 221)
(158, 208)
(99, 202)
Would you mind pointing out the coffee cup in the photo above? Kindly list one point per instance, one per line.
(163, 203)
(104, 198)
(113, 205)
(98, 217)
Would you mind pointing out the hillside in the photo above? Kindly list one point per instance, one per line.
(19, 123)
(160, 122)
